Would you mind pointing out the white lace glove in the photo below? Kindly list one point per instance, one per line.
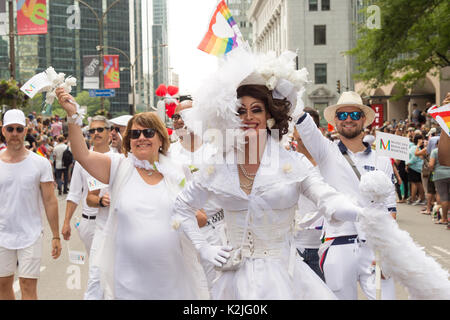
(217, 255)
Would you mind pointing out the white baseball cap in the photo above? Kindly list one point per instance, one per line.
(121, 121)
(14, 116)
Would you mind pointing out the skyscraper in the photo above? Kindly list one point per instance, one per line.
(65, 44)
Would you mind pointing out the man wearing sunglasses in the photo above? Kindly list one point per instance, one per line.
(119, 125)
(99, 129)
(345, 257)
(26, 182)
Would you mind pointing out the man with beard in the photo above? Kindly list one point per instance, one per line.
(345, 257)
(26, 186)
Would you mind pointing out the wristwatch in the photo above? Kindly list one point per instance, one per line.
(100, 202)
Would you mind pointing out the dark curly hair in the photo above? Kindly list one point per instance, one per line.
(277, 108)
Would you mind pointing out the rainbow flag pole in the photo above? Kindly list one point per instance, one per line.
(216, 45)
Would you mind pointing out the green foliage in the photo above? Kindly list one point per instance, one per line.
(11, 94)
(414, 39)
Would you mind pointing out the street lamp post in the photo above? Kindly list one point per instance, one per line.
(132, 69)
(100, 38)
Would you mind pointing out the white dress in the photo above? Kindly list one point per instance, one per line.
(270, 267)
(142, 256)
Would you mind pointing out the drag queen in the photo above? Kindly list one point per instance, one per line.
(255, 180)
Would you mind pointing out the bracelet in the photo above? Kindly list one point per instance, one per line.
(56, 238)
(100, 202)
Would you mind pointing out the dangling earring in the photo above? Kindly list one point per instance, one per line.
(160, 149)
(270, 123)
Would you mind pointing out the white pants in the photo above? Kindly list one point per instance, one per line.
(94, 290)
(346, 264)
(86, 230)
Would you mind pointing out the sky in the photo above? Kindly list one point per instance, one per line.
(188, 22)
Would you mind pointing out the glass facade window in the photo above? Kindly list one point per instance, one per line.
(320, 73)
(313, 5)
(325, 5)
(320, 35)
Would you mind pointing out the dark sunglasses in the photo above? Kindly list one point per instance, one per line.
(176, 117)
(18, 129)
(148, 133)
(99, 130)
(116, 129)
(355, 115)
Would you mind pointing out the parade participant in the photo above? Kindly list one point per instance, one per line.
(345, 256)
(60, 169)
(191, 152)
(141, 256)
(258, 183)
(99, 199)
(99, 130)
(309, 220)
(26, 183)
(118, 128)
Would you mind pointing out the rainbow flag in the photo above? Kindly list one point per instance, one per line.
(213, 44)
(39, 152)
(442, 116)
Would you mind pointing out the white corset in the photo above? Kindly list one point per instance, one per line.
(268, 236)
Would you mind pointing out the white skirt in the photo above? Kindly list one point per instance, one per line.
(268, 279)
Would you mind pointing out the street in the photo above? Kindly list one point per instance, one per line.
(61, 280)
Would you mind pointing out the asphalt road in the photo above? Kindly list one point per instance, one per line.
(63, 280)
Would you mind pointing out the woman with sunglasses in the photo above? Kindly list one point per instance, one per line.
(142, 255)
(257, 182)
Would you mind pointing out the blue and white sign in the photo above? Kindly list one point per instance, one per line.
(102, 93)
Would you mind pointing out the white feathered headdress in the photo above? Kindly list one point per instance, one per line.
(215, 103)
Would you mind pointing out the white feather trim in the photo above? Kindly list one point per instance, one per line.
(400, 256)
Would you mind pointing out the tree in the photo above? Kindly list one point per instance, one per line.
(414, 39)
(93, 104)
(11, 95)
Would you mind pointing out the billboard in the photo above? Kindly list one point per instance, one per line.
(379, 116)
(91, 72)
(31, 17)
(111, 71)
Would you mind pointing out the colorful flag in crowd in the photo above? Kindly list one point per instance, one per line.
(31, 17)
(222, 34)
(442, 116)
(111, 71)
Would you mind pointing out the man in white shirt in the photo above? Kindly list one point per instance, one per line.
(98, 199)
(99, 131)
(26, 187)
(60, 169)
(345, 257)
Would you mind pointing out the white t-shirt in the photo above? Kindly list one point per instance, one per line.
(21, 200)
(58, 155)
(148, 256)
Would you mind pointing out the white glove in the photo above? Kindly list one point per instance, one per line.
(347, 212)
(217, 255)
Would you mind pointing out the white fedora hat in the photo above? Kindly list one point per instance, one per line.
(349, 98)
(122, 120)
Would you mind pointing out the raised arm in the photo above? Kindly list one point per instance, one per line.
(316, 144)
(97, 164)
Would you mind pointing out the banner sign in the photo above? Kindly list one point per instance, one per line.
(4, 26)
(111, 71)
(378, 122)
(91, 73)
(31, 17)
(392, 146)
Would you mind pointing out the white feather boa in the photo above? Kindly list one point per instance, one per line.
(400, 256)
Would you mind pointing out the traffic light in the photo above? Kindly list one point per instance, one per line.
(338, 86)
